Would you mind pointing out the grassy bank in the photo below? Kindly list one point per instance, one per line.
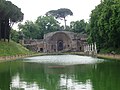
(11, 48)
(109, 56)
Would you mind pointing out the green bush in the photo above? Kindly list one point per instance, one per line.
(109, 50)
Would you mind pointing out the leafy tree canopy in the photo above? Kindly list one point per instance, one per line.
(78, 26)
(61, 13)
(37, 29)
(9, 14)
(104, 26)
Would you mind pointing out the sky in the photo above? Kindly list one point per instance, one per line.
(33, 8)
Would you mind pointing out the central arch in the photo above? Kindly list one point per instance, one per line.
(60, 41)
(60, 45)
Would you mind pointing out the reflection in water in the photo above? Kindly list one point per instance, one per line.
(20, 75)
(70, 84)
(16, 83)
(65, 84)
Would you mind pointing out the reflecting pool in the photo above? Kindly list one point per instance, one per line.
(60, 72)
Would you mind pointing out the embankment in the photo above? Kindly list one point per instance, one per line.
(109, 56)
(11, 51)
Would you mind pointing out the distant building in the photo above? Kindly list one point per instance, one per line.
(58, 41)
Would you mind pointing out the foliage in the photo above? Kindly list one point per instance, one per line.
(15, 35)
(61, 13)
(9, 14)
(104, 25)
(78, 26)
(37, 29)
(47, 24)
(29, 29)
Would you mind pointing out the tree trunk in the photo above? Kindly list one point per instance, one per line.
(65, 22)
(8, 36)
(0, 30)
(5, 31)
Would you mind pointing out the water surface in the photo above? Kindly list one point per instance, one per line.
(60, 72)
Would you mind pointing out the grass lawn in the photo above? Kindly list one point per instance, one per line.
(12, 48)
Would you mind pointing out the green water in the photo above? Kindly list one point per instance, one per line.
(35, 74)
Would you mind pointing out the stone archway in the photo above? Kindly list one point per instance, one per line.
(60, 45)
(59, 41)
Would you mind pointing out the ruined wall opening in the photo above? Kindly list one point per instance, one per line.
(60, 45)
(60, 41)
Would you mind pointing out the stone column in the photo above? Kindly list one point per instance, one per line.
(50, 49)
(44, 50)
(84, 48)
(92, 47)
(56, 46)
(87, 48)
(45, 47)
(95, 48)
(38, 49)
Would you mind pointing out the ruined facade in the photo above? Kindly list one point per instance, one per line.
(59, 41)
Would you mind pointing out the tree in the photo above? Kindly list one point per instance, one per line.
(29, 29)
(61, 13)
(47, 24)
(78, 26)
(15, 35)
(9, 14)
(37, 29)
(105, 24)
